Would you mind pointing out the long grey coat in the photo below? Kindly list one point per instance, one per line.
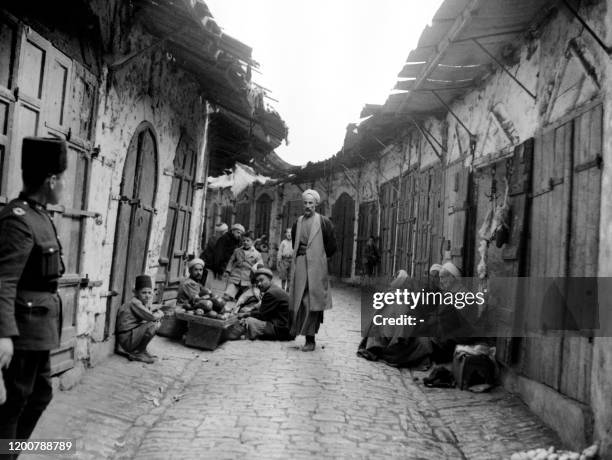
(321, 245)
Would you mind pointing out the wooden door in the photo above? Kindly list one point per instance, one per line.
(263, 210)
(292, 210)
(368, 219)
(507, 263)
(44, 93)
(388, 225)
(9, 38)
(343, 217)
(180, 210)
(405, 221)
(243, 214)
(134, 217)
(457, 198)
(227, 214)
(428, 221)
(564, 240)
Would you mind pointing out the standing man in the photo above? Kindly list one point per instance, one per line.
(225, 246)
(310, 292)
(30, 267)
(209, 252)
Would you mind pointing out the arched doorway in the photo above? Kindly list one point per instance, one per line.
(134, 218)
(343, 217)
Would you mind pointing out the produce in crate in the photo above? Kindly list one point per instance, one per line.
(205, 305)
(212, 314)
(199, 312)
(218, 304)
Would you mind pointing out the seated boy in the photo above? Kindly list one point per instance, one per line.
(240, 267)
(137, 322)
(191, 290)
(271, 320)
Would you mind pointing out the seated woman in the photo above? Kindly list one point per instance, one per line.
(450, 324)
(432, 340)
(400, 346)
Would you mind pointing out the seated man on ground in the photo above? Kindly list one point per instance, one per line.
(271, 320)
(240, 267)
(192, 291)
(137, 322)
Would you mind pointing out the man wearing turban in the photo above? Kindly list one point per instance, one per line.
(192, 290)
(310, 293)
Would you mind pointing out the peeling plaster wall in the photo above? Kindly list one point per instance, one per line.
(149, 89)
(602, 347)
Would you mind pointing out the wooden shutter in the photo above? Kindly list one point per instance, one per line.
(388, 227)
(368, 218)
(564, 239)
(263, 209)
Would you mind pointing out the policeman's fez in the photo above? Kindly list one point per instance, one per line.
(41, 158)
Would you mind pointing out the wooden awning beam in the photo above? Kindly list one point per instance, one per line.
(458, 25)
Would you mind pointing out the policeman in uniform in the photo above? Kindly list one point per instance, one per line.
(30, 308)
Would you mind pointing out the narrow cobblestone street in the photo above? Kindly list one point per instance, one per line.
(270, 400)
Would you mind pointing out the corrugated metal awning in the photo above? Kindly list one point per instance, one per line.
(448, 60)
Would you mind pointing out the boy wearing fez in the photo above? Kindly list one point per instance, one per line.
(137, 322)
(30, 307)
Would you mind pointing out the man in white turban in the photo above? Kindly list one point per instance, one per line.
(310, 291)
(191, 289)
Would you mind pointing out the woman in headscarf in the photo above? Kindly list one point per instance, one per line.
(452, 324)
(402, 346)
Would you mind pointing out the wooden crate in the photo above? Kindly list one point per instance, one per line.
(171, 326)
(203, 332)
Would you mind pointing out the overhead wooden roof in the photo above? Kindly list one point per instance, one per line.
(446, 60)
(449, 61)
(244, 128)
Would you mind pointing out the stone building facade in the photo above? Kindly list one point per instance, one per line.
(134, 104)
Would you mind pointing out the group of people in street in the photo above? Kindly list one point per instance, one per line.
(31, 265)
(302, 263)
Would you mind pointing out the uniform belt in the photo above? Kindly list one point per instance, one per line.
(48, 287)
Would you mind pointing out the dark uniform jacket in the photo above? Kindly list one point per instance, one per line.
(274, 309)
(30, 267)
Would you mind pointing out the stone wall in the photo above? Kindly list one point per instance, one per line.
(152, 89)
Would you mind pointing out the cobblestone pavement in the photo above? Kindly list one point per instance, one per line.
(270, 400)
